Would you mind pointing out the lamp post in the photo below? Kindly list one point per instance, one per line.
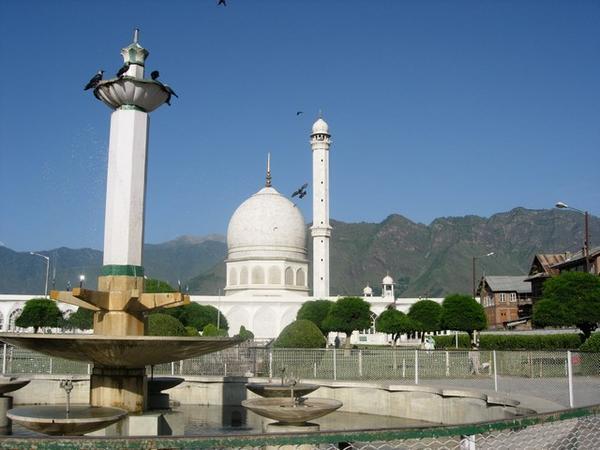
(47, 258)
(475, 258)
(586, 236)
(81, 280)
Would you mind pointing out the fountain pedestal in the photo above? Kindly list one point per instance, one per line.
(119, 388)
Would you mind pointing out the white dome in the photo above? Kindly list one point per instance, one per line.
(367, 290)
(387, 280)
(320, 127)
(267, 225)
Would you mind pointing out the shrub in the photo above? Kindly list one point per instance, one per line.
(198, 316)
(164, 325)
(512, 342)
(592, 344)
(315, 311)
(211, 330)
(300, 334)
(82, 319)
(191, 331)
(245, 334)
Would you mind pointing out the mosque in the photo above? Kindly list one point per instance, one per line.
(267, 263)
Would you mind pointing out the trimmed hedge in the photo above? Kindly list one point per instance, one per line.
(592, 344)
(512, 342)
(300, 334)
(164, 325)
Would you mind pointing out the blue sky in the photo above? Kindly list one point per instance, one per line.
(436, 108)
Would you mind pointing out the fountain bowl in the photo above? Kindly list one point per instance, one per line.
(119, 351)
(53, 420)
(159, 384)
(10, 384)
(281, 390)
(285, 410)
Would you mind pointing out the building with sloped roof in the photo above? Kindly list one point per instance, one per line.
(505, 299)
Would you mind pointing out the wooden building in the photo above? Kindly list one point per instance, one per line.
(505, 299)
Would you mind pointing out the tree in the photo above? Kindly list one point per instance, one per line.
(592, 344)
(576, 295)
(300, 334)
(395, 322)
(462, 313)
(40, 312)
(348, 314)
(426, 314)
(198, 316)
(316, 311)
(154, 286)
(164, 325)
(82, 319)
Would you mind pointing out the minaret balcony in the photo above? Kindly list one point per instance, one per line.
(121, 93)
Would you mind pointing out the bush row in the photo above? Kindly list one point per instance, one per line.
(512, 342)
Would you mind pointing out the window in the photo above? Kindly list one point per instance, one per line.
(502, 297)
(300, 277)
(289, 276)
(513, 296)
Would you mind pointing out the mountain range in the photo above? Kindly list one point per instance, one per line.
(425, 260)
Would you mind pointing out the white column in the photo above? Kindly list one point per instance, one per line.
(321, 230)
(126, 187)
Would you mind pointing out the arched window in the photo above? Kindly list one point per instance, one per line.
(232, 277)
(300, 279)
(274, 275)
(289, 276)
(258, 275)
(1, 322)
(244, 275)
(13, 318)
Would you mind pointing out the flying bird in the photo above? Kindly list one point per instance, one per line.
(299, 112)
(123, 70)
(155, 74)
(301, 192)
(94, 81)
(221, 2)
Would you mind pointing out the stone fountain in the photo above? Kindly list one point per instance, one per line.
(8, 384)
(118, 348)
(285, 388)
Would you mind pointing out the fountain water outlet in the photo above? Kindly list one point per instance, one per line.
(67, 385)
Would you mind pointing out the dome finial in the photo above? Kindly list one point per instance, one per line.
(136, 35)
(268, 183)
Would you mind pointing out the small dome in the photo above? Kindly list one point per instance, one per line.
(267, 225)
(320, 127)
(387, 280)
(367, 290)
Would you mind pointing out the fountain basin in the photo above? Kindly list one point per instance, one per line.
(281, 390)
(119, 351)
(53, 420)
(285, 410)
(10, 384)
(159, 384)
(144, 94)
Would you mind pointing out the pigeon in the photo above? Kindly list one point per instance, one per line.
(94, 81)
(155, 74)
(301, 192)
(299, 112)
(170, 92)
(221, 2)
(123, 70)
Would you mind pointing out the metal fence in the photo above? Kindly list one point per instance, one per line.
(572, 429)
(568, 378)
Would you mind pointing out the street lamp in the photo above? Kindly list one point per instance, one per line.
(586, 238)
(81, 280)
(474, 259)
(47, 258)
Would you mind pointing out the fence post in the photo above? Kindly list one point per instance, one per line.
(225, 369)
(416, 366)
(447, 363)
(4, 359)
(360, 369)
(270, 364)
(181, 367)
(89, 369)
(314, 370)
(334, 365)
(50, 368)
(570, 371)
(495, 371)
(173, 368)
(403, 367)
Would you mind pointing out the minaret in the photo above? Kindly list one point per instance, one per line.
(320, 140)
